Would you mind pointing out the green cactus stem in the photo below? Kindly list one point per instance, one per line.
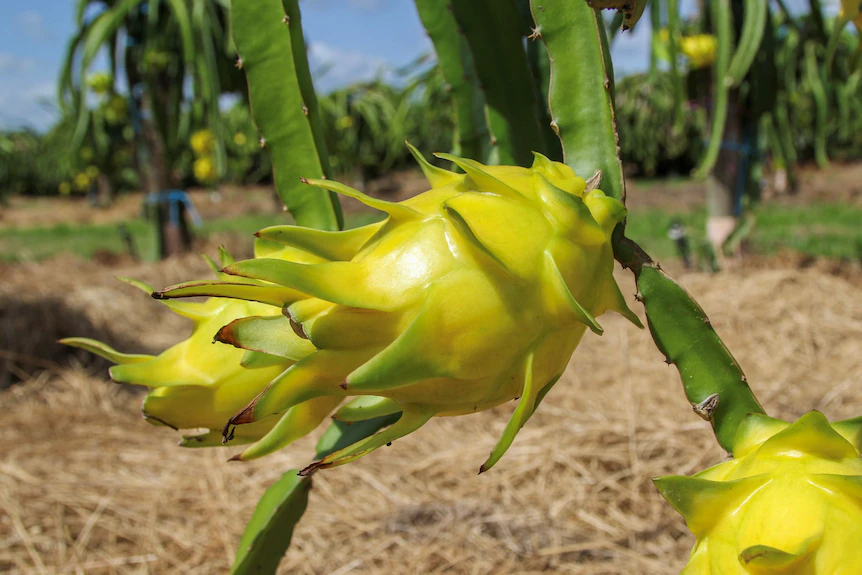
(493, 29)
(306, 86)
(673, 29)
(818, 90)
(753, 28)
(785, 134)
(712, 379)
(581, 91)
(271, 51)
(472, 138)
(268, 533)
(721, 21)
(540, 68)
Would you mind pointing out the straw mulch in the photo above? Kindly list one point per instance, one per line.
(87, 487)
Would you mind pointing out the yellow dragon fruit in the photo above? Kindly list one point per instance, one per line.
(100, 83)
(699, 49)
(467, 296)
(202, 143)
(789, 502)
(204, 170)
(196, 384)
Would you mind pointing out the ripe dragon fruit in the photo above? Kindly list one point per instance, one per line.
(790, 501)
(469, 295)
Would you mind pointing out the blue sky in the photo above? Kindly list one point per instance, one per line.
(352, 39)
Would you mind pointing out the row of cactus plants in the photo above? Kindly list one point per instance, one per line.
(471, 294)
(775, 85)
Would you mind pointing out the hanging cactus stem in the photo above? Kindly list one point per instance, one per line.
(711, 377)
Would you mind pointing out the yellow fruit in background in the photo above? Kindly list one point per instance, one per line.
(100, 82)
(789, 502)
(699, 49)
(82, 182)
(467, 296)
(65, 188)
(344, 123)
(204, 170)
(202, 142)
(239, 139)
(92, 172)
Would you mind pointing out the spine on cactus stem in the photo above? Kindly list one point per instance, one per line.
(493, 31)
(712, 379)
(581, 91)
(271, 52)
(472, 138)
(722, 24)
(753, 27)
(818, 90)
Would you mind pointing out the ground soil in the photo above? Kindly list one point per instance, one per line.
(86, 486)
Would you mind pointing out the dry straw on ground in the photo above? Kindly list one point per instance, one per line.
(87, 487)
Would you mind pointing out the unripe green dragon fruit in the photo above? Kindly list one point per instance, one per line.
(467, 296)
(196, 384)
(789, 502)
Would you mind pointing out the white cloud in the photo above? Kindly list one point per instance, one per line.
(32, 106)
(13, 62)
(33, 24)
(335, 67)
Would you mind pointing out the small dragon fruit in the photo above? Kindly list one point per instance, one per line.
(789, 502)
(469, 295)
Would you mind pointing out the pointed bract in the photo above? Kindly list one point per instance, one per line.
(437, 177)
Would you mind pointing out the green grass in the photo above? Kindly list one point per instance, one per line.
(828, 230)
(33, 244)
